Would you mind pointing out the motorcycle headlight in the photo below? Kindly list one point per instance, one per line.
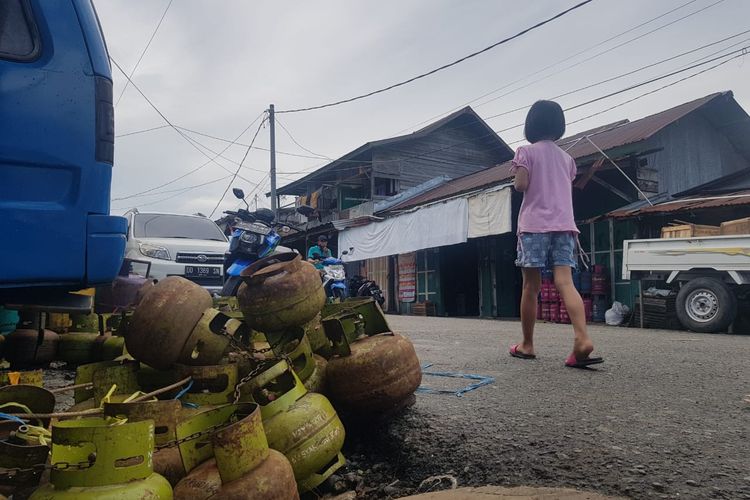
(248, 237)
(154, 251)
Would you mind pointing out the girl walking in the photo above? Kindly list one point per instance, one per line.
(547, 233)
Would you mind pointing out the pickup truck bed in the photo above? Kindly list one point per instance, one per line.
(709, 272)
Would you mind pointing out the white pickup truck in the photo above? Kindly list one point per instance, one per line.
(710, 274)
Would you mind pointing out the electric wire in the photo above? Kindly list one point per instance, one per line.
(229, 184)
(556, 63)
(179, 192)
(440, 68)
(303, 148)
(172, 181)
(189, 140)
(143, 53)
(736, 54)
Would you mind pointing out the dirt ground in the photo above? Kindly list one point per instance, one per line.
(664, 417)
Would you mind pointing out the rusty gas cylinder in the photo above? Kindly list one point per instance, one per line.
(317, 335)
(302, 425)
(23, 348)
(22, 399)
(243, 467)
(316, 382)
(279, 292)
(114, 460)
(78, 348)
(103, 375)
(166, 415)
(378, 375)
(25, 456)
(210, 385)
(174, 322)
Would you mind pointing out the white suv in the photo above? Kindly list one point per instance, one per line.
(191, 246)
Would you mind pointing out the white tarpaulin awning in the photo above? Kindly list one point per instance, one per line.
(445, 223)
(490, 213)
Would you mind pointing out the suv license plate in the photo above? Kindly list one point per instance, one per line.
(202, 271)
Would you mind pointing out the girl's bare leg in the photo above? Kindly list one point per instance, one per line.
(582, 344)
(532, 283)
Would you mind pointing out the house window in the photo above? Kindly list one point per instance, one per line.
(385, 186)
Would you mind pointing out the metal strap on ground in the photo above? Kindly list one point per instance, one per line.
(482, 381)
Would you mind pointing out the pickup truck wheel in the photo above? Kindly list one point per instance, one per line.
(706, 305)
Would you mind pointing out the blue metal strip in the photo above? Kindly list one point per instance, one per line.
(482, 381)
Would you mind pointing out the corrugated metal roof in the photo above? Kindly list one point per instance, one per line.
(465, 184)
(685, 204)
(296, 187)
(636, 131)
(609, 136)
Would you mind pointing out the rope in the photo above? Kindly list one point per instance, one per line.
(87, 385)
(162, 390)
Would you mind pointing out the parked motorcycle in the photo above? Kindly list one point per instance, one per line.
(254, 236)
(359, 286)
(334, 278)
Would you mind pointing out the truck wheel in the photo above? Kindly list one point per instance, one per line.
(706, 305)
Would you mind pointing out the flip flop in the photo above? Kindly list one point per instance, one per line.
(573, 362)
(518, 354)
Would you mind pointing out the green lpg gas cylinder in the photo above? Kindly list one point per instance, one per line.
(243, 466)
(302, 425)
(93, 459)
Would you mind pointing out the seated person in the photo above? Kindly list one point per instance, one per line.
(319, 252)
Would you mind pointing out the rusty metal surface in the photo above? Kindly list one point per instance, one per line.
(310, 434)
(22, 456)
(211, 385)
(690, 203)
(279, 292)
(201, 483)
(273, 479)
(22, 348)
(36, 399)
(164, 319)
(206, 344)
(380, 374)
(316, 382)
(242, 446)
(168, 463)
(122, 375)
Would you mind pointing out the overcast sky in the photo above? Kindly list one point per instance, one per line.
(214, 66)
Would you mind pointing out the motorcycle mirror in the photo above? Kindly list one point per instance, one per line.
(345, 252)
(238, 193)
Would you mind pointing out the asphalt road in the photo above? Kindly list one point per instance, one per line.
(664, 417)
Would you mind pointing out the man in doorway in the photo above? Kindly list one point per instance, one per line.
(319, 252)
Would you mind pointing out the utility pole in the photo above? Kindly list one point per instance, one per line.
(272, 130)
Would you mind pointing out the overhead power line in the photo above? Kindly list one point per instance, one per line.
(573, 56)
(239, 166)
(195, 144)
(303, 148)
(740, 52)
(172, 181)
(178, 191)
(441, 68)
(143, 53)
(632, 72)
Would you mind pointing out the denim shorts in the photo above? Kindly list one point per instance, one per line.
(538, 250)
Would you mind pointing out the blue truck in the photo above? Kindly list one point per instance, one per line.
(56, 152)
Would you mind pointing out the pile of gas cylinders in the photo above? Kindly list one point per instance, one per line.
(592, 286)
(229, 398)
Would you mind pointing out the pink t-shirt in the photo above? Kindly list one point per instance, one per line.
(548, 201)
